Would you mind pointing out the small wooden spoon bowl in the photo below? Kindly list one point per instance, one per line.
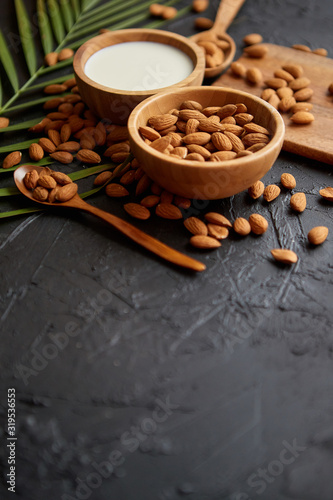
(116, 104)
(206, 179)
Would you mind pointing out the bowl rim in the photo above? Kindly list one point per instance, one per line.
(198, 59)
(136, 137)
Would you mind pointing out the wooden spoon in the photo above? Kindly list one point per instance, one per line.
(124, 227)
(226, 13)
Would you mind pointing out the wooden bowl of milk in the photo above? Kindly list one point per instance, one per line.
(117, 70)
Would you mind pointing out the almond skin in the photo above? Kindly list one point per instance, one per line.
(284, 255)
(199, 5)
(168, 211)
(204, 242)
(242, 226)
(271, 192)
(327, 193)
(195, 226)
(66, 192)
(219, 219)
(12, 159)
(4, 122)
(298, 202)
(302, 117)
(256, 50)
(258, 223)
(47, 182)
(252, 38)
(160, 122)
(317, 235)
(62, 157)
(40, 193)
(102, 178)
(256, 190)
(88, 156)
(30, 179)
(137, 211)
(288, 181)
(218, 232)
(254, 75)
(47, 145)
(115, 190)
(61, 178)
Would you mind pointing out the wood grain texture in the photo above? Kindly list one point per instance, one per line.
(313, 140)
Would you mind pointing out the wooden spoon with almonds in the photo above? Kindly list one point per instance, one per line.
(135, 234)
(227, 11)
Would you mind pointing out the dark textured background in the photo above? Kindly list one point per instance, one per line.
(241, 354)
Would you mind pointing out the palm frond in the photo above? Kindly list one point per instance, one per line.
(45, 29)
(27, 40)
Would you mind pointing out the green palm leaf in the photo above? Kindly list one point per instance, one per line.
(27, 40)
(67, 14)
(8, 63)
(56, 20)
(44, 25)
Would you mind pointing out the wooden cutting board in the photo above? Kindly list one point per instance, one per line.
(316, 139)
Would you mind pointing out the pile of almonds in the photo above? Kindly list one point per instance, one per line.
(49, 185)
(163, 11)
(52, 58)
(287, 90)
(213, 133)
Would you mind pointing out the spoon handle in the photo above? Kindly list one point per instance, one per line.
(226, 13)
(143, 239)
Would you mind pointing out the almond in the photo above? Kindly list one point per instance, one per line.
(300, 46)
(187, 114)
(299, 83)
(155, 9)
(243, 118)
(54, 136)
(40, 193)
(199, 5)
(317, 235)
(221, 141)
(303, 94)
(320, 52)
(219, 219)
(36, 152)
(196, 226)
(166, 196)
(47, 182)
(149, 133)
(47, 145)
(115, 190)
(53, 103)
(204, 242)
(271, 192)
(191, 126)
(254, 75)
(226, 110)
(119, 147)
(181, 152)
(256, 190)
(4, 122)
(191, 105)
(182, 202)
(208, 125)
(218, 232)
(288, 181)
(266, 94)
(65, 53)
(283, 92)
(137, 211)
(127, 177)
(302, 117)
(242, 226)
(295, 70)
(88, 156)
(61, 178)
(237, 144)
(88, 142)
(258, 223)
(257, 50)
(285, 75)
(55, 88)
(62, 157)
(238, 69)
(150, 201)
(102, 178)
(286, 104)
(284, 255)
(169, 12)
(298, 202)
(117, 133)
(12, 159)
(223, 156)
(69, 146)
(201, 150)
(65, 132)
(30, 179)
(302, 106)
(200, 138)
(161, 144)
(255, 138)
(253, 127)
(168, 211)
(143, 184)
(160, 122)
(252, 38)
(275, 83)
(195, 157)
(203, 23)
(66, 192)
(327, 193)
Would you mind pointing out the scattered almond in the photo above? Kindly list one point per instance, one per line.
(256, 190)
(115, 190)
(30, 179)
(218, 232)
(258, 223)
(252, 38)
(298, 202)
(168, 211)
(66, 192)
(317, 235)
(271, 192)
(196, 226)
(242, 226)
(302, 117)
(257, 50)
(62, 157)
(88, 156)
(137, 211)
(284, 255)
(4, 122)
(65, 53)
(288, 181)
(327, 193)
(204, 242)
(219, 219)
(12, 159)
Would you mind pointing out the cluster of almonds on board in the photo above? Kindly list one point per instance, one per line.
(50, 185)
(213, 133)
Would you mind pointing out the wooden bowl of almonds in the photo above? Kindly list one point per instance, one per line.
(117, 70)
(205, 142)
